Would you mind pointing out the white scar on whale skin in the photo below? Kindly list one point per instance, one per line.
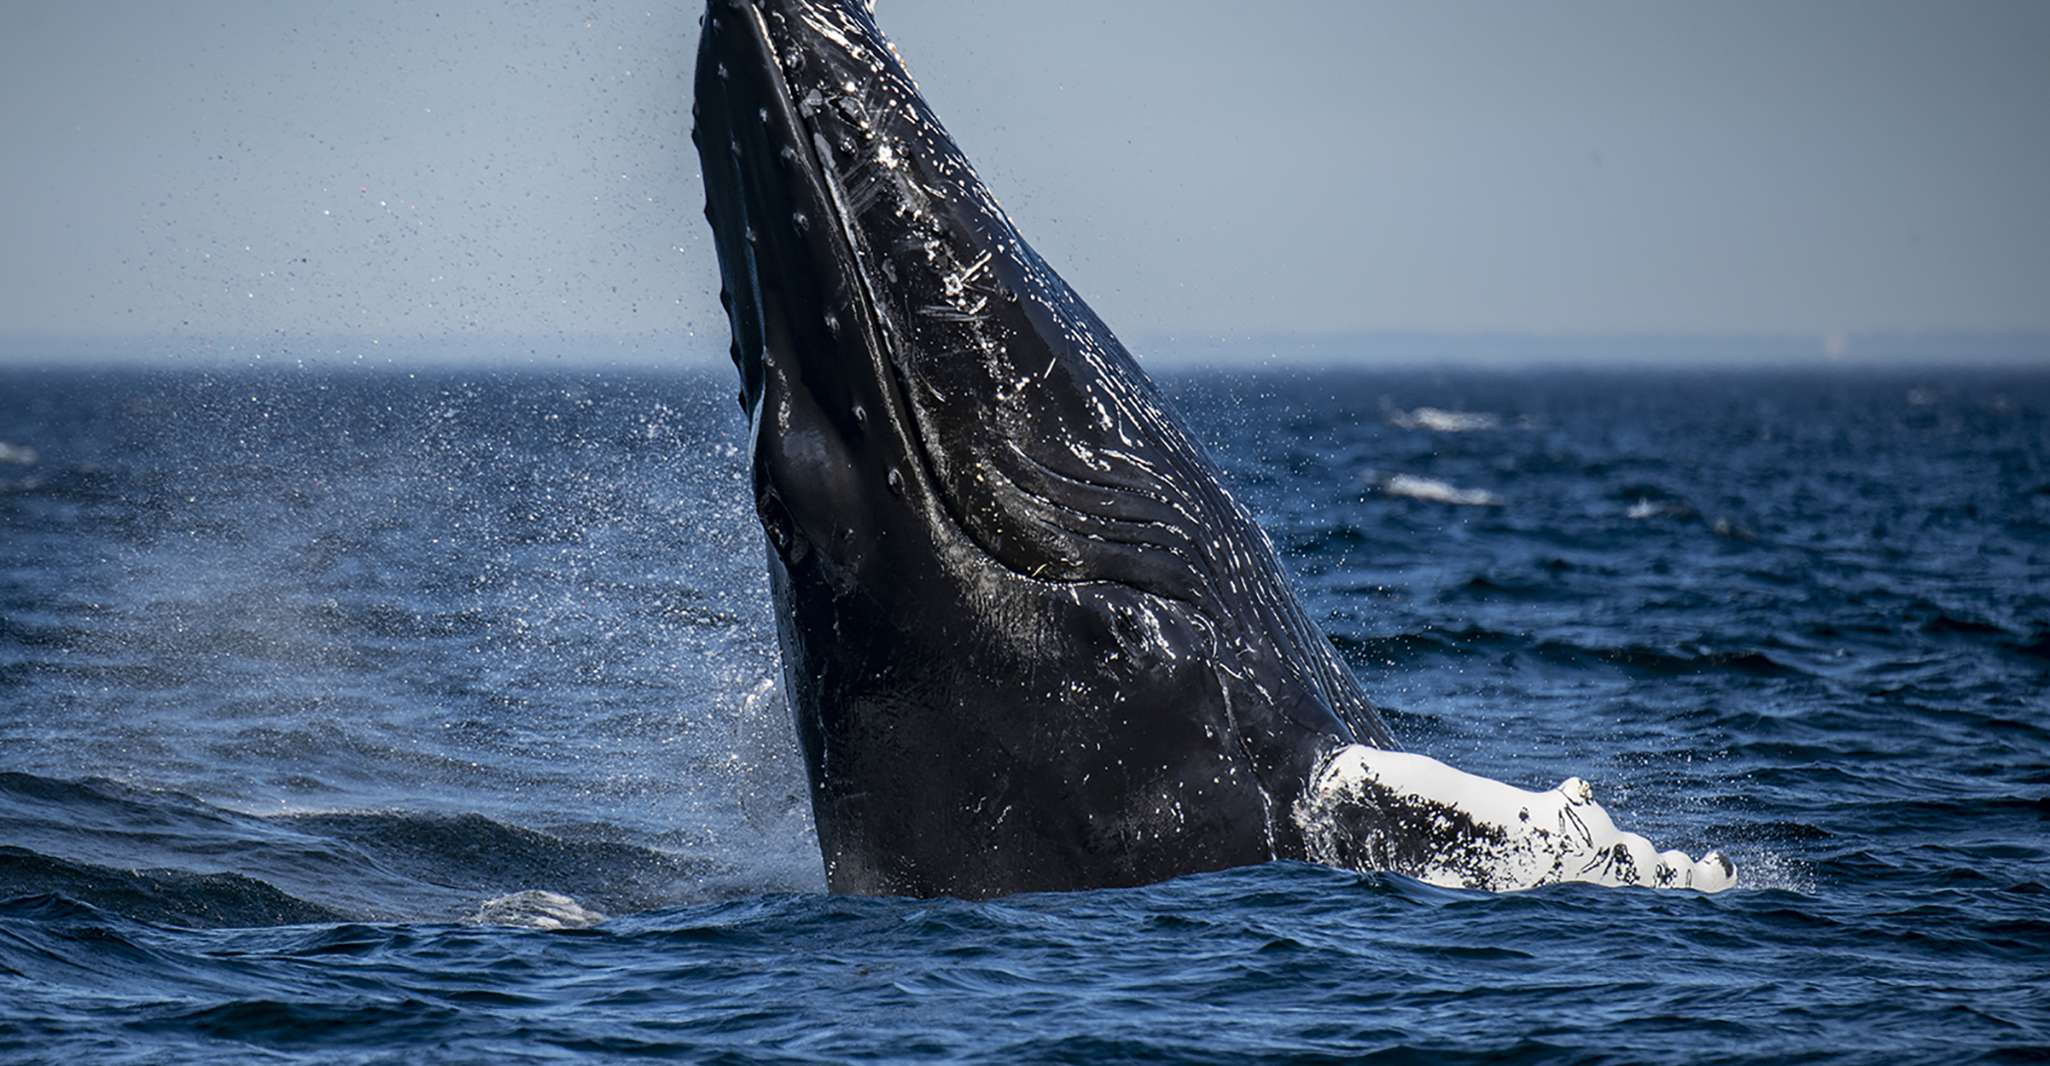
(1410, 814)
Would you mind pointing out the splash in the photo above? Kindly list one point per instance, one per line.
(1771, 871)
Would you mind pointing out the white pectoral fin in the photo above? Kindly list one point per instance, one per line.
(1414, 815)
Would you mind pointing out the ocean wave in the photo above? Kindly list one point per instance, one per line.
(1405, 648)
(296, 1024)
(1731, 529)
(1645, 508)
(1657, 661)
(1332, 538)
(475, 854)
(335, 600)
(2035, 646)
(1499, 587)
(1434, 491)
(1439, 420)
(165, 896)
(322, 866)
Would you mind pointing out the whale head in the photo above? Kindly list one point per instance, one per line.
(990, 540)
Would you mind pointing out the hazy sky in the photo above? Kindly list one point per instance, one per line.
(402, 169)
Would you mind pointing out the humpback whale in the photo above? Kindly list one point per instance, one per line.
(1029, 640)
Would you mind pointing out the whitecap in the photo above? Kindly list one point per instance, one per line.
(18, 454)
(1439, 420)
(1646, 508)
(1723, 527)
(1435, 491)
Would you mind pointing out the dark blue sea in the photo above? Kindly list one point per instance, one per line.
(353, 716)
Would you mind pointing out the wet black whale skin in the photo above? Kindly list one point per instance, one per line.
(1029, 642)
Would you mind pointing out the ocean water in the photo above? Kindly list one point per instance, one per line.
(397, 717)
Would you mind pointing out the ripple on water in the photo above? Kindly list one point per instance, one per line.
(464, 674)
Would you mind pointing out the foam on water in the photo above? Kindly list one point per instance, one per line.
(535, 909)
(1438, 420)
(1435, 491)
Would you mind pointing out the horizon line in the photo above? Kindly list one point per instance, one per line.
(1364, 347)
